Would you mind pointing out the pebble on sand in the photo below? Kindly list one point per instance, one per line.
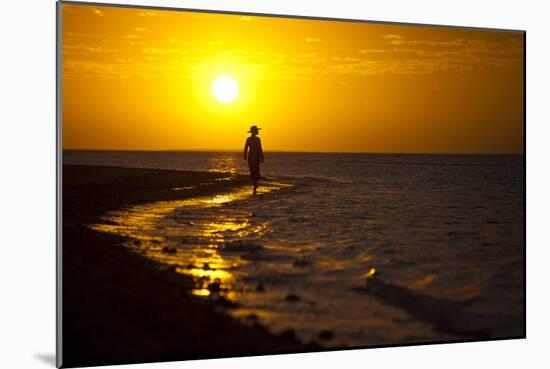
(169, 250)
(215, 286)
(326, 335)
(300, 263)
(292, 297)
(289, 334)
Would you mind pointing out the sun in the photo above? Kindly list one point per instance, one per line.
(225, 89)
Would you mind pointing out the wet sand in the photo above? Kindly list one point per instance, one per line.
(119, 307)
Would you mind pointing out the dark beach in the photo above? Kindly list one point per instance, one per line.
(119, 307)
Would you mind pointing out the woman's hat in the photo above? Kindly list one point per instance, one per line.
(253, 129)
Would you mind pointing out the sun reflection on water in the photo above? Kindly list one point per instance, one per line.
(192, 247)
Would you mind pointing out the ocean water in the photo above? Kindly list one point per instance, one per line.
(296, 255)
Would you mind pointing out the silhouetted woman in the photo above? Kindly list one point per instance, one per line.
(255, 155)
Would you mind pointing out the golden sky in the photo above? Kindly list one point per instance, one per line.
(139, 79)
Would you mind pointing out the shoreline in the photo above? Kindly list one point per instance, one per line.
(120, 308)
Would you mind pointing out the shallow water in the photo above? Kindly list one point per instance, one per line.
(450, 227)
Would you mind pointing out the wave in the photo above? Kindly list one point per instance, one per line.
(445, 315)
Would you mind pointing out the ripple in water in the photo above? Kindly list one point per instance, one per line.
(293, 256)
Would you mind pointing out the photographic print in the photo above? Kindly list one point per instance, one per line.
(239, 184)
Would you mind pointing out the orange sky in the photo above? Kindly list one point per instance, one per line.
(138, 79)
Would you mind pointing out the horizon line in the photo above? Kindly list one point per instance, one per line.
(299, 151)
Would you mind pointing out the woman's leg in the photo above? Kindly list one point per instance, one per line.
(254, 166)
